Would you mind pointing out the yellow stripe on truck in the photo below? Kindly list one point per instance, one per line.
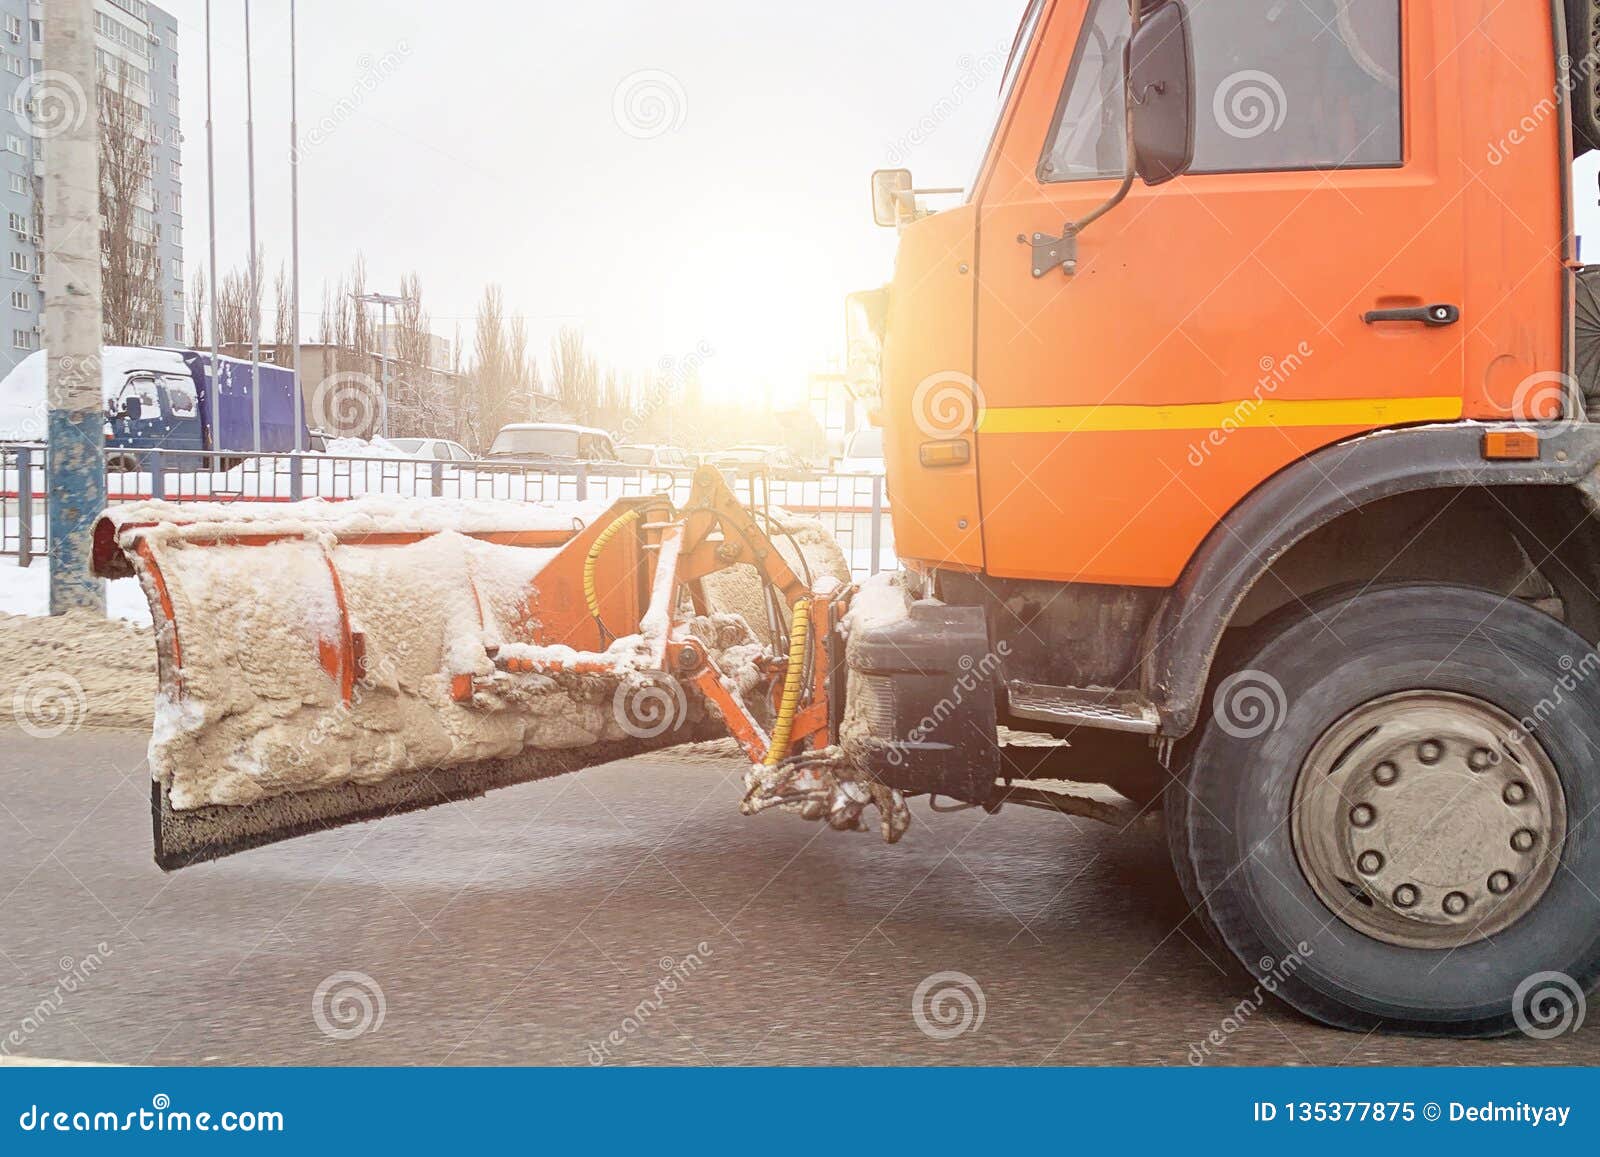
(1242, 415)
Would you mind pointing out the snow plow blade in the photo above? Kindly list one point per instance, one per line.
(322, 663)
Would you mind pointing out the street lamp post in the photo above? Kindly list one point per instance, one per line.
(384, 300)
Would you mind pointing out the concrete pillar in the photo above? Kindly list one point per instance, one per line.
(72, 308)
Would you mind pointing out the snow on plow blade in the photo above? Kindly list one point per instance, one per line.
(322, 663)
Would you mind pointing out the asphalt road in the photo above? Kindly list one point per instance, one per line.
(627, 915)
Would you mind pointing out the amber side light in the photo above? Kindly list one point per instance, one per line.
(1511, 445)
(955, 452)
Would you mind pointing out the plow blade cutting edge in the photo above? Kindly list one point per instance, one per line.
(326, 662)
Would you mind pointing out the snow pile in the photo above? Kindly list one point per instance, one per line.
(371, 514)
(364, 448)
(75, 671)
(879, 601)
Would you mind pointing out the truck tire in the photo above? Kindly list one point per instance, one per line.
(1389, 814)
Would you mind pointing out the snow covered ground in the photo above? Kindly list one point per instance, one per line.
(26, 591)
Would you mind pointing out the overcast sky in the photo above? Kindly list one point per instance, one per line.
(665, 174)
(671, 176)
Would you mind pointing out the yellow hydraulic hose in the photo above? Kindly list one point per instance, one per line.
(606, 535)
(794, 674)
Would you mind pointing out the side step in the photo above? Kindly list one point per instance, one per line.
(1083, 707)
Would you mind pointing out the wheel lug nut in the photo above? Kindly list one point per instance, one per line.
(1523, 839)
(1430, 751)
(1385, 773)
(1501, 882)
(1406, 896)
(1515, 793)
(1481, 759)
(1455, 903)
(1363, 815)
(1370, 863)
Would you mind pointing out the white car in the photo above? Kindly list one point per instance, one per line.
(863, 452)
(432, 449)
(652, 456)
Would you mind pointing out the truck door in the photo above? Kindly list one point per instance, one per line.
(1215, 329)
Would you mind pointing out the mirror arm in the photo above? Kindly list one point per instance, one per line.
(1050, 252)
(1135, 11)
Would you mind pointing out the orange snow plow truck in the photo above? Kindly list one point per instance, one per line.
(1242, 427)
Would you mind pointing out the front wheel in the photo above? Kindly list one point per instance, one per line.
(1388, 815)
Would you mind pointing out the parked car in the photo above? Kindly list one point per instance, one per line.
(654, 456)
(776, 461)
(863, 452)
(433, 449)
(549, 443)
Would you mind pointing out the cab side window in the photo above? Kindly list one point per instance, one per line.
(1279, 85)
(1091, 136)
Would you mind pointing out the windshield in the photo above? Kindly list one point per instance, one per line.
(409, 445)
(634, 455)
(553, 443)
(181, 395)
(1008, 81)
(867, 443)
(748, 454)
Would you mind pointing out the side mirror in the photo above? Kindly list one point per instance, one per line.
(133, 409)
(1161, 86)
(892, 199)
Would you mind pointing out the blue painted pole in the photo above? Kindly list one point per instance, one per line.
(73, 319)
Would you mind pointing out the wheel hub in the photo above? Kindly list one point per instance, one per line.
(1428, 819)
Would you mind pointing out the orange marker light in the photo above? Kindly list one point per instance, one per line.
(1511, 445)
(955, 452)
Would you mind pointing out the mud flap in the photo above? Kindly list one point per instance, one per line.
(922, 714)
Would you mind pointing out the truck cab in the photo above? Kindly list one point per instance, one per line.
(1237, 434)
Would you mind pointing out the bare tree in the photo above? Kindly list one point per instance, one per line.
(233, 308)
(282, 316)
(574, 374)
(129, 267)
(420, 405)
(487, 396)
(197, 309)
